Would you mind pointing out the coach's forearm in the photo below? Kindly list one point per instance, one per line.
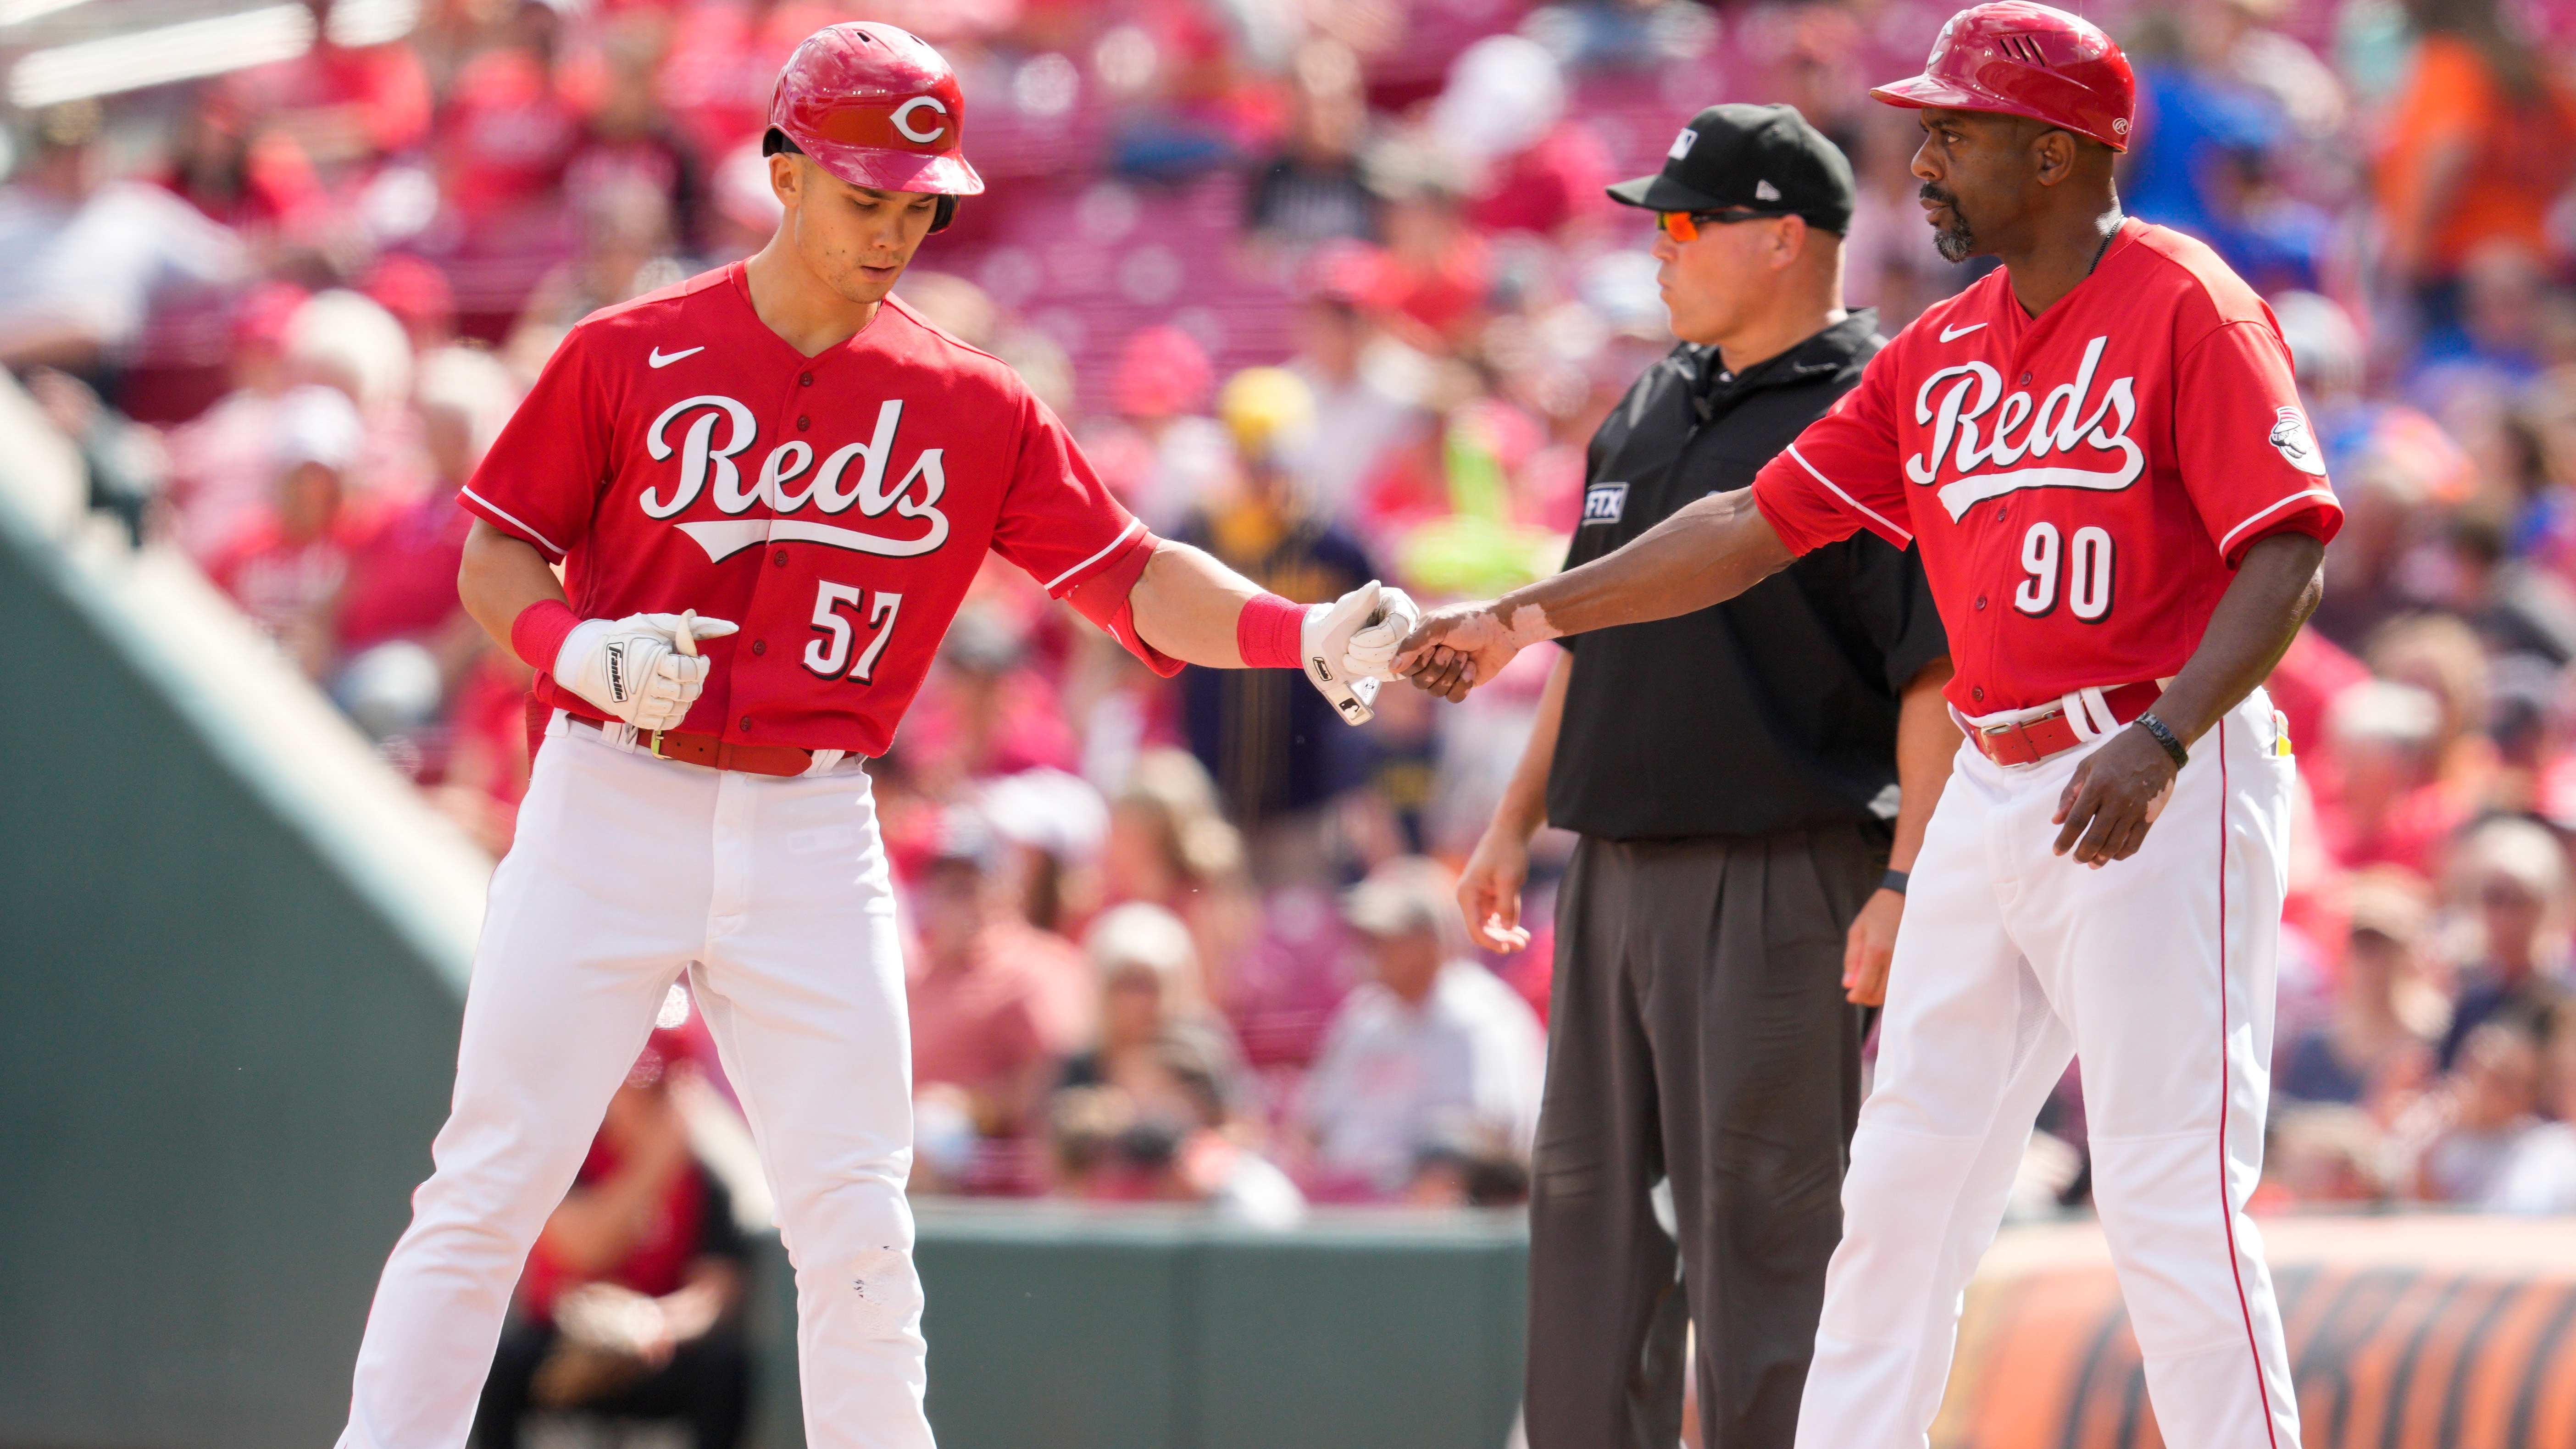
(1706, 553)
(500, 577)
(2276, 588)
(1186, 604)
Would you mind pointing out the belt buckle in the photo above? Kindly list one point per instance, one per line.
(654, 746)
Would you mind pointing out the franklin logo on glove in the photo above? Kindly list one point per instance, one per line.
(1362, 629)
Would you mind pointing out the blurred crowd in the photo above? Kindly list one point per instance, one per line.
(1330, 288)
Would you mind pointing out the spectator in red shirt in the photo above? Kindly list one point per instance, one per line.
(996, 1004)
(287, 569)
(510, 125)
(219, 463)
(1503, 113)
(342, 105)
(722, 61)
(403, 572)
(2387, 808)
(1443, 266)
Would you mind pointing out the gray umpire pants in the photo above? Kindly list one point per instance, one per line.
(1697, 1032)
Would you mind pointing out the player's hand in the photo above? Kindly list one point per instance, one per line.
(1868, 948)
(634, 669)
(2114, 795)
(1371, 651)
(1489, 890)
(1344, 647)
(1455, 649)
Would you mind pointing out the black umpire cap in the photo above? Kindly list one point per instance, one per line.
(1764, 159)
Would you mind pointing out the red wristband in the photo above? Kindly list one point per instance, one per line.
(1268, 632)
(537, 635)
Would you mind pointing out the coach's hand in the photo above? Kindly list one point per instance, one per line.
(2115, 794)
(1869, 946)
(634, 669)
(1455, 649)
(1489, 890)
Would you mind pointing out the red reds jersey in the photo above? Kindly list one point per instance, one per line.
(678, 454)
(2083, 483)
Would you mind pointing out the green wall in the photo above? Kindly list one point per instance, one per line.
(1137, 1329)
(220, 1065)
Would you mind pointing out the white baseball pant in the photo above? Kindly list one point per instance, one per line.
(2157, 971)
(773, 896)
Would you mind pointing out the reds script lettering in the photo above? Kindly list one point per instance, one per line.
(705, 467)
(2052, 426)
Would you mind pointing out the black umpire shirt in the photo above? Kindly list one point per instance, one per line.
(1775, 710)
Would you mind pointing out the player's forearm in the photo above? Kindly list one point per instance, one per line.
(500, 577)
(1186, 605)
(2277, 587)
(1524, 805)
(1927, 740)
(1706, 553)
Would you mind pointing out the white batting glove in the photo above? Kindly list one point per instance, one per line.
(1372, 650)
(1326, 648)
(634, 669)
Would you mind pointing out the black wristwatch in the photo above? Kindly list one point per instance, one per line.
(2163, 734)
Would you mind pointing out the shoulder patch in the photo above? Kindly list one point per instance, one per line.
(1604, 503)
(2296, 443)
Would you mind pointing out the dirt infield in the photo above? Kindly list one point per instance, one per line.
(2418, 1332)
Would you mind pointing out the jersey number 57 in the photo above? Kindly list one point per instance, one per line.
(829, 656)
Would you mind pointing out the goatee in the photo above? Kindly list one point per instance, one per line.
(1955, 242)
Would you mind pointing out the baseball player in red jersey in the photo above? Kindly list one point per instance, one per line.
(2121, 510)
(768, 488)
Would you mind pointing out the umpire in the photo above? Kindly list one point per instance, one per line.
(1742, 779)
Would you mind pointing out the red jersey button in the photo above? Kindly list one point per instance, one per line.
(759, 646)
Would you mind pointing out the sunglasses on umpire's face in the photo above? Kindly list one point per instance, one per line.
(1683, 226)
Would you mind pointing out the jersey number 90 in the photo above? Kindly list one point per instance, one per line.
(2091, 569)
(829, 656)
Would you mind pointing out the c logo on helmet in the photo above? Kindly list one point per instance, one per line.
(903, 121)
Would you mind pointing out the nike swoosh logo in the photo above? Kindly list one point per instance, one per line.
(658, 359)
(1948, 334)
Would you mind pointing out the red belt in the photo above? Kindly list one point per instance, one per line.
(716, 754)
(2029, 741)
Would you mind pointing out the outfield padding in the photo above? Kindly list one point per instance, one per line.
(2418, 1332)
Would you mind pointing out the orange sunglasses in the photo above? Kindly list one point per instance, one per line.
(1683, 226)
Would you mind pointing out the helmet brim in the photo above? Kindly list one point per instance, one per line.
(945, 174)
(1917, 92)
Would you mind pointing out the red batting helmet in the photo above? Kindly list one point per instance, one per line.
(2027, 59)
(875, 106)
